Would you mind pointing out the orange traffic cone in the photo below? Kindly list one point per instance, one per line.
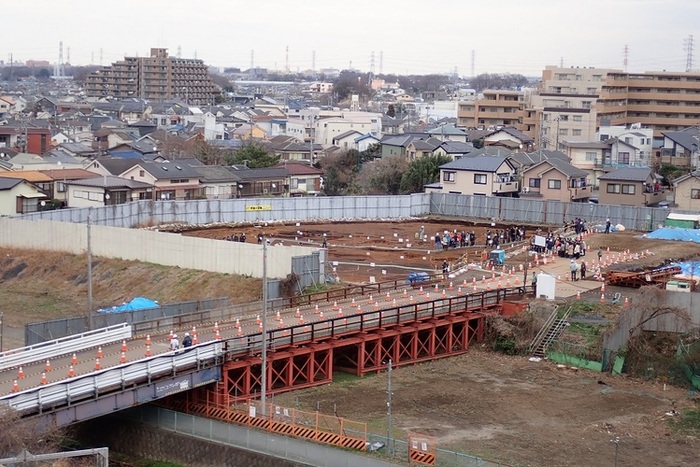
(148, 351)
(260, 329)
(301, 319)
(388, 297)
(278, 317)
(97, 364)
(420, 291)
(451, 286)
(195, 341)
(74, 360)
(335, 306)
(626, 303)
(122, 359)
(578, 295)
(427, 296)
(437, 289)
(47, 368)
(359, 309)
(99, 352)
(405, 293)
(410, 299)
(194, 331)
(217, 336)
(239, 332)
(474, 289)
(238, 323)
(602, 298)
(43, 378)
(257, 319)
(353, 302)
(216, 326)
(602, 287)
(316, 309)
(20, 373)
(15, 386)
(148, 339)
(298, 313)
(71, 371)
(124, 346)
(340, 312)
(393, 302)
(371, 300)
(320, 316)
(459, 290)
(376, 306)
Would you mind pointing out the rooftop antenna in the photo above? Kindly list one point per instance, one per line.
(688, 47)
(625, 54)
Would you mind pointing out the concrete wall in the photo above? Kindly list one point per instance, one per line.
(146, 442)
(152, 247)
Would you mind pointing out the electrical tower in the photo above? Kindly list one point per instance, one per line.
(286, 59)
(381, 62)
(473, 61)
(68, 55)
(625, 55)
(58, 69)
(688, 47)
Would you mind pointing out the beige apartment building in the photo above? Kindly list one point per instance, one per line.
(158, 77)
(492, 110)
(664, 101)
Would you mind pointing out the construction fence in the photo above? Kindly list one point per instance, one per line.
(257, 211)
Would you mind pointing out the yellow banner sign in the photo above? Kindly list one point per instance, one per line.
(260, 207)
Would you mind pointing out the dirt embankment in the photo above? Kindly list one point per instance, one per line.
(40, 285)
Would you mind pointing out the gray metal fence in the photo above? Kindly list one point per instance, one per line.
(35, 333)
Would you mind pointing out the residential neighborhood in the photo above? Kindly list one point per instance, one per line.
(112, 139)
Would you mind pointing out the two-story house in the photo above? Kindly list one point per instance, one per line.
(555, 179)
(105, 191)
(171, 180)
(681, 148)
(302, 179)
(18, 196)
(631, 186)
(483, 174)
(687, 192)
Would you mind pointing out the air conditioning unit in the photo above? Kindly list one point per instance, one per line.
(526, 189)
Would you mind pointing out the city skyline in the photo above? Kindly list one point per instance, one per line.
(405, 38)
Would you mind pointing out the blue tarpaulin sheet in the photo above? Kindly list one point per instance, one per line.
(138, 303)
(673, 233)
(689, 268)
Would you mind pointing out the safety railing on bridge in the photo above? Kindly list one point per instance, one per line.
(64, 346)
(72, 390)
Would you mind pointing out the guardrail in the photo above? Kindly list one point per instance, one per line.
(118, 377)
(64, 346)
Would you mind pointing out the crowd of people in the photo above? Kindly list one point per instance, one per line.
(461, 239)
(236, 238)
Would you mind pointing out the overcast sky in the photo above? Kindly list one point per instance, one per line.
(518, 36)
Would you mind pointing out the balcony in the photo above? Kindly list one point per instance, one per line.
(580, 192)
(505, 187)
(654, 197)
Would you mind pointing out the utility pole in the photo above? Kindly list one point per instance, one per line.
(263, 356)
(89, 270)
(2, 329)
(388, 408)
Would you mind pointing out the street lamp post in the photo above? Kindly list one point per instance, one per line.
(388, 408)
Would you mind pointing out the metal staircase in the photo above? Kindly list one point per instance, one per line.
(550, 332)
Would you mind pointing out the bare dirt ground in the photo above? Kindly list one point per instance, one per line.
(517, 412)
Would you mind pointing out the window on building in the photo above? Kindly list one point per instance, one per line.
(586, 104)
(613, 188)
(534, 183)
(554, 184)
(577, 118)
(563, 131)
(480, 179)
(142, 173)
(61, 187)
(628, 189)
(695, 193)
(448, 176)
(563, 118)
(623, 157)
(576, 132)
(603, 137)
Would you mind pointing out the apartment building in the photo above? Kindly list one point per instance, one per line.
(157, 77)
(661, 100)
(492, 110)
(562, 108)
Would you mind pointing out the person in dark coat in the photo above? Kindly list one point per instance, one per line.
(187, 340)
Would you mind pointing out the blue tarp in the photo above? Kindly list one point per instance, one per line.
(674, 233)
(138, 303)
(689, 268)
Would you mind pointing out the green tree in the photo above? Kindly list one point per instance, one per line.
(206, 153)
(421, 172)
(391, 111)
(256, 157)
(670, 172)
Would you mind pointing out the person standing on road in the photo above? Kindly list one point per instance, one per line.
(600, 254)
(174, 343)
(574, 269)
(583, 270)
(534, 283)
(445, 269)
(607, 226)
(187, 340)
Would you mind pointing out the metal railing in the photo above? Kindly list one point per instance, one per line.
(64, 346)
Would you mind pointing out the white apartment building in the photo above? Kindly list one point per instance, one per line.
(639, 142)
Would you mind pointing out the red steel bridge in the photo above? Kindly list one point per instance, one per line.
(356, 329)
